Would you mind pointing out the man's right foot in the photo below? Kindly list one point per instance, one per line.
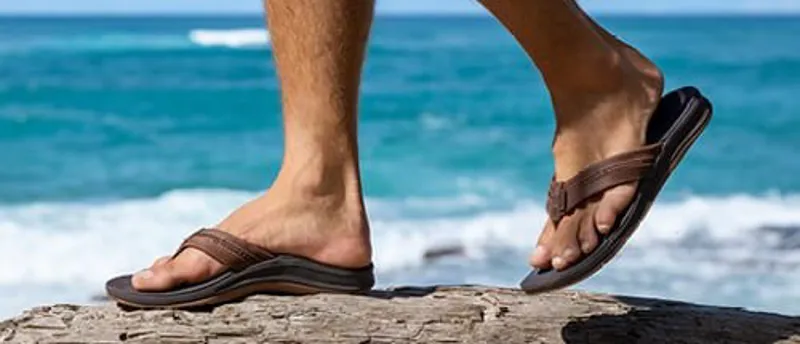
(641, 63)
(592, 126)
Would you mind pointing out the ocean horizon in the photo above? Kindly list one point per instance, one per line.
(120, 135)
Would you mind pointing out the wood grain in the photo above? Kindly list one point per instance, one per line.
(410, 315)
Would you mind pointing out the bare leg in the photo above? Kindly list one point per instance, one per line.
(314, 208)
(603, 94)
(640, 62)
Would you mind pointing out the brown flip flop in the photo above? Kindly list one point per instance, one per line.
(677, 122)
(250, 270)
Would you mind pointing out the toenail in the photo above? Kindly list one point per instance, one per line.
(559, 262)
(603, 227)
(144, 274)
(586, 247)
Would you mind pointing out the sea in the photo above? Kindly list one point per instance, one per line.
(119, 136)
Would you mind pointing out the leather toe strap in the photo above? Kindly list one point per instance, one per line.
(564, 197)
(225, 248)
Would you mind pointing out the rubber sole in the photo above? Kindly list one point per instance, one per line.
(233, 295)
(283, 274)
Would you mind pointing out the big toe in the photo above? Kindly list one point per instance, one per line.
(542, 255)
(156, 278)
(613, 202)
(191, 266)
(161, 261)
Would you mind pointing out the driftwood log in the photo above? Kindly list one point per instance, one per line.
(410, 315)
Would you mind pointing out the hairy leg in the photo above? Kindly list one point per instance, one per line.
(314, 208)
(603, 94)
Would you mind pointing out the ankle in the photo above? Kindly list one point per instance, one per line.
(601, 72)
(592, 127)
(630, 94)
(332, 183)
(321, 215)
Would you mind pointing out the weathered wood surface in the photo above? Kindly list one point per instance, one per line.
(445, 315)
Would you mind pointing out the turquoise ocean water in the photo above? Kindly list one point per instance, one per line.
(119, 136)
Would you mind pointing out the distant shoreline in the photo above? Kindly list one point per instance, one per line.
(410, 15)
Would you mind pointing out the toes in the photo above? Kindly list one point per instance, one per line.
(612, 203)
(578, 235)
(161, 261)
(542, 255)
(156, 278)
(547, 234)
(565, 244)
(587, 236)
(575, 236)
(191, 266)
(567, 256)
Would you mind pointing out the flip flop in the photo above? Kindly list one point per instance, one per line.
(677, 122)
(249, 270)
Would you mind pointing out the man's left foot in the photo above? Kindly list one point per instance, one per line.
(303, 218)
(593, 125)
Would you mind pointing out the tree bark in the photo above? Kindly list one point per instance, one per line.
(410, 315)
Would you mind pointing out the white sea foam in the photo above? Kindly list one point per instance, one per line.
(194, 39)
(234, 38)
(49, 243)
(99, 43)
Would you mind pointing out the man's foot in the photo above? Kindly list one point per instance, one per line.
(592, 125)
(303, 219)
